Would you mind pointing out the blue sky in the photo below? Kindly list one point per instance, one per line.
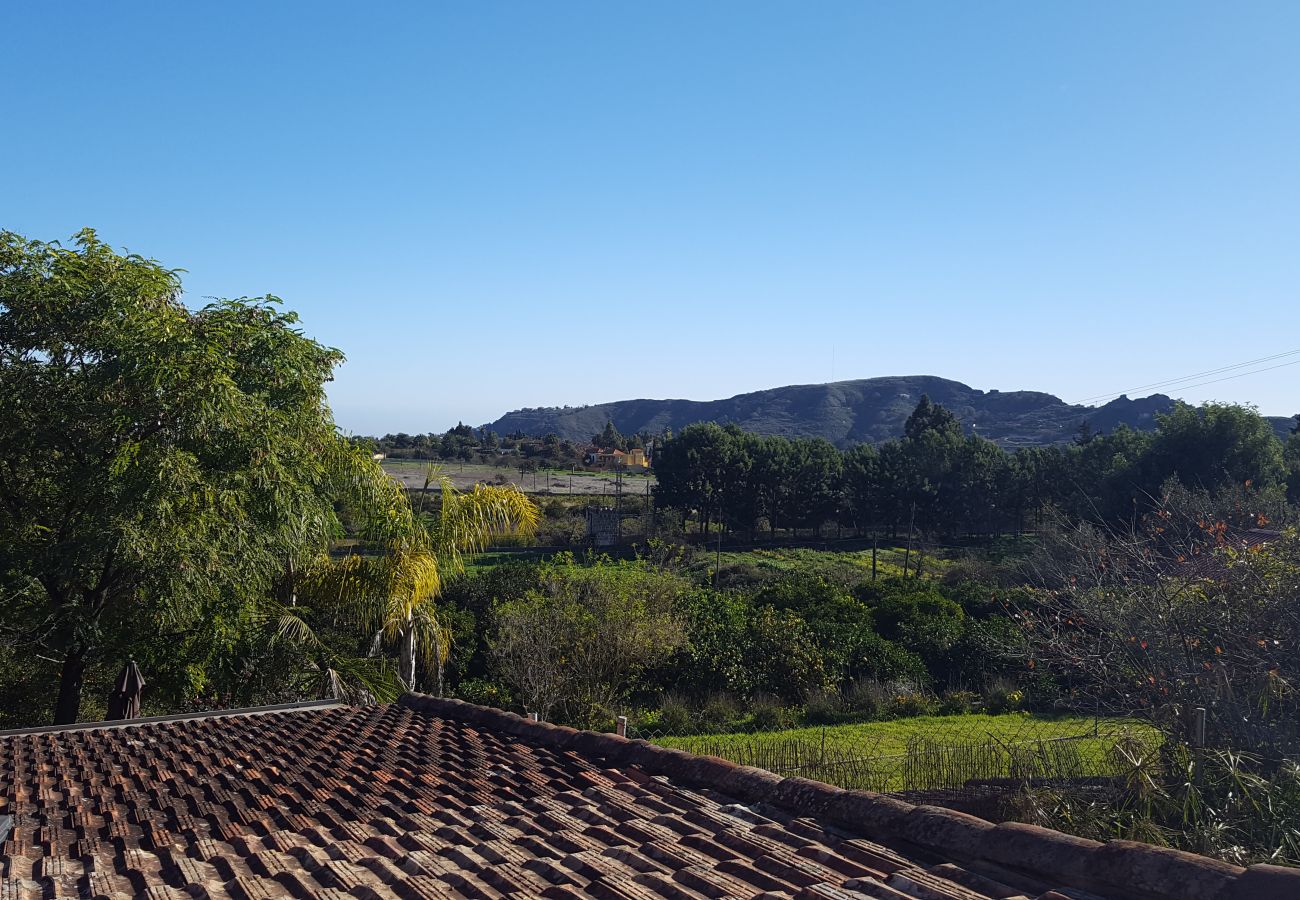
(492, 205)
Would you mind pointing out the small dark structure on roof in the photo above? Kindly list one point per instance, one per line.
(128, 690)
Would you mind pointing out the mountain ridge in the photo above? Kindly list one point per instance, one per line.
(866, 410)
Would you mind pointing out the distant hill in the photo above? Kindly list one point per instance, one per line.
(852, 412)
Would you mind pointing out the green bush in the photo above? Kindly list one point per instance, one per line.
(484, 693)
(872, 657)
(1003, 695)
(718, 713)
(825, 708)
(955, 702)
(675, 716)
(911, 700)
(867, 697)
(767, 714)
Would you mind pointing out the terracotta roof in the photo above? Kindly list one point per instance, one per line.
(435, 798)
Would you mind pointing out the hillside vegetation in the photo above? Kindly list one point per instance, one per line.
(845, 413)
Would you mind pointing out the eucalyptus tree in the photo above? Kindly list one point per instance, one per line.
(155, 461)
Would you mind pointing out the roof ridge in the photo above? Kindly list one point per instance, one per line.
(1119, 868)
(175, 717)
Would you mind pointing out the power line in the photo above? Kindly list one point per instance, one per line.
(1178, 381)
(1293, 362)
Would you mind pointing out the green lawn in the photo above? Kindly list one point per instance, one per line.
(929, 752)
(837, 566)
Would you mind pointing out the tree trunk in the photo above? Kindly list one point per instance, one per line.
(407, 672)
(437, 668)
(68, 705)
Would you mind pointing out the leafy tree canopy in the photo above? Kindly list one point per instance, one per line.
(609, 438)
(929, 416)
(159, 464)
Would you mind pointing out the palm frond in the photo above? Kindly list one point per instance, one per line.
(292, 628)
(433, 638)
(379, 592)
(360, 680)
(468, 521)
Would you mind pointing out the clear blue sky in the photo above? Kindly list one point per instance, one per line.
(491, 205)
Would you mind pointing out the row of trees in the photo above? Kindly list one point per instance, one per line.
(940, 480)
(461, 442)
(465, 443)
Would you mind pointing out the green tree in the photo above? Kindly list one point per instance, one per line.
(1291, 459)
(1103, 480)
(931, 417)
(812, 494)
(862, 488)
(702, 469)
(393, 594)
(158, 462)
(609, 438)
(932, 441)
(581, 642)
(1214, 445)
(769, 483)
(982, 487)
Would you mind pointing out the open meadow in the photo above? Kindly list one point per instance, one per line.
(933, 752)
(411, 473)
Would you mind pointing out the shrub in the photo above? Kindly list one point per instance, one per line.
(957, 701)
(767, 714)
(909, 699)
(783, 654)
(825, 708)
(1003, 695)
(871, 656)
(675, 716)
(718, 713)
(867, 697)
(484, 693)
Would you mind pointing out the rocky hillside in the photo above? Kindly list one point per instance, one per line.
(852, 412)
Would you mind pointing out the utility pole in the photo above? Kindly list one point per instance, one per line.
(717, 565)
(907, 554)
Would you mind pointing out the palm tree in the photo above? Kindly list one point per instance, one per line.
(390, 588)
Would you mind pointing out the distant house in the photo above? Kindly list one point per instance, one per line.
(615, 458)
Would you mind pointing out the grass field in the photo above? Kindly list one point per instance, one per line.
(838, 566)
(411, 473)
(930, 752)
